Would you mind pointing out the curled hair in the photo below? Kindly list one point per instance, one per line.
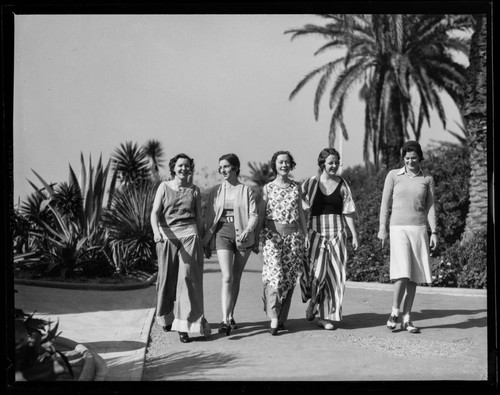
(233, 160)
(412, 146)
(325, 153)
(174, 160)
(275, 156)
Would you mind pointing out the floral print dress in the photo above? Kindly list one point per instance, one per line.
(282, 254)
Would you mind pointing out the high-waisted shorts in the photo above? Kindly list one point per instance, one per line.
(225, 236)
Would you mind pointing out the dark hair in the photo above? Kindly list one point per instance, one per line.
(325, 153)
(412, 146)
(174, 160)
(275, 156)
(233, 161)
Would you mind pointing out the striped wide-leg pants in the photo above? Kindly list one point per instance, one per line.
(323, 279)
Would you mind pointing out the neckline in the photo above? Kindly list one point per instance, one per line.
(179, 187)
(284, 186)
(413, 176)
(324, 194)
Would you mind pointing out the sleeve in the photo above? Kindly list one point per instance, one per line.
(209, 214)
(253, 210)
(431, 207)
(348, 202)
(386, 198)
(304, 196)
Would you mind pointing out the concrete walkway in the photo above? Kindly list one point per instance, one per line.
(116, 325)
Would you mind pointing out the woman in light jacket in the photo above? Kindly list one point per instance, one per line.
(231, 217)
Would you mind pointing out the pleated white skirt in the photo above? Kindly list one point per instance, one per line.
(410, 253)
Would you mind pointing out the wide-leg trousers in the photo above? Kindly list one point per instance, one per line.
(180, 284)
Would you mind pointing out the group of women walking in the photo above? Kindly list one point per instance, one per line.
(303, 232)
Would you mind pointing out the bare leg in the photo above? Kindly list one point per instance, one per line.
(225, 258)
(411, 289)
(240, 260)
(400, 287)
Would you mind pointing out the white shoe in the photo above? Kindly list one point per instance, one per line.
(326, 325)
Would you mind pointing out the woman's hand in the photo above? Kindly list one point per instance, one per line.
(208, 252)
(307, 243)
(382, 235)
(355, 241)
(243, 237)
(433, 241)
(256, 248)
(158, 238)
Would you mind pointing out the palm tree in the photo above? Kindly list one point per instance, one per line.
(131, 163)
(155, 155)
(475, 116)
(398, 64)
(260, 173)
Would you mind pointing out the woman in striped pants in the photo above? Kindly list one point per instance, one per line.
(329, 207)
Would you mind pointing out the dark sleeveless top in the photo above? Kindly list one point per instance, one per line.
(328, 204)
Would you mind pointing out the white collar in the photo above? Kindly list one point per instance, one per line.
(402, 171)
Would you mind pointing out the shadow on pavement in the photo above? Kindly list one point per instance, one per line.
(116, 346)
(185, 363)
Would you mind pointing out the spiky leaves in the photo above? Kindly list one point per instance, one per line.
(400, 63)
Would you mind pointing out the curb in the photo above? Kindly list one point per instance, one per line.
(88, 287)
(150, 281)
(422, 289)
(94, 367)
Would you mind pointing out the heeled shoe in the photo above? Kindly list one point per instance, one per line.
(273, 331)
(392, 322)
(184, 338)
(408, 326)
(326, 325)
(167, 328)
(232, 324)
(310, 313)
(224, 328)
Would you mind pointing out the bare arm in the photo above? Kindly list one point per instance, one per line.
(349, 218)
(198, 213)
(155, 214)
(302, 222)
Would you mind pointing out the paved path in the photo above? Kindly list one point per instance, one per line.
(113, 324)
(452, 345)
(116, 324)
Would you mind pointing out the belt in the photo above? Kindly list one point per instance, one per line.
(227, 219)
(282, 229)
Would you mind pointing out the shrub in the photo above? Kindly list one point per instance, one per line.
(463, 265)
(130, 242)
(37, 359)
(370, 262)
(452, 191)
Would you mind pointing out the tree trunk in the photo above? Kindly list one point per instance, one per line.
(476, 123)
(390, 146)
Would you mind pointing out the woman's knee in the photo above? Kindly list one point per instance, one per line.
(227, 279)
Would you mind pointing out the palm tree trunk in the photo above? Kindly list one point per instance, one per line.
(476, 124)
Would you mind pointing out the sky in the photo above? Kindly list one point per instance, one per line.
(205, 85)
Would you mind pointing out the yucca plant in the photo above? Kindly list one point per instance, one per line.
(131, 163)
(65, 243)
(127, 221)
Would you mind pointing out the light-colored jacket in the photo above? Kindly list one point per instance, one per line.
(245, 207)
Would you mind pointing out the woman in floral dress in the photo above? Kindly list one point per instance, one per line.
(284, 237)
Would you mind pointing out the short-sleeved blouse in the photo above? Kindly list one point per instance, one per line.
(283, 203)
